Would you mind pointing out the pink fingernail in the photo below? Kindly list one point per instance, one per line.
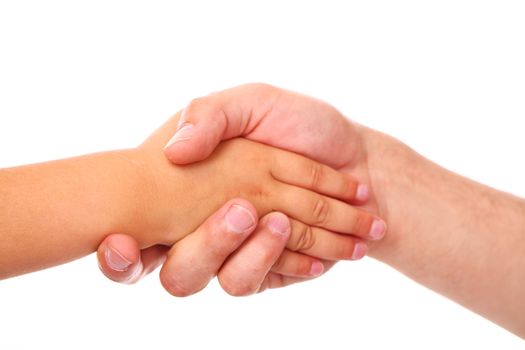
(316, 269)
(183, 134)
(279, 224)
(116, 261)
(377, 230)
(360, 249)
(239, 219)
(363, 193)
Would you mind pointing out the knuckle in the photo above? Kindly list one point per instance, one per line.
(259, 194)
(306, 238)
(320, 211)
(315, 174)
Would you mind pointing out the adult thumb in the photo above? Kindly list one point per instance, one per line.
(199, 132)
(223, 115)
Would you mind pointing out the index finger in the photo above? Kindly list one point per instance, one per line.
(297, 170)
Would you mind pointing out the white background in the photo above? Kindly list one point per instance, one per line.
(447, 77)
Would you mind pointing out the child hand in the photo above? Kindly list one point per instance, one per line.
(181, 197)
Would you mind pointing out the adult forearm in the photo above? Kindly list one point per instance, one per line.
(58, 211)
(453, 235)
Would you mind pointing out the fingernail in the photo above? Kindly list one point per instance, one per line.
(363, 193)
(184, 133)
(239, 219)
(377, 230)
(359, 251)
(278, 224)
(316, 269)
(116, 260)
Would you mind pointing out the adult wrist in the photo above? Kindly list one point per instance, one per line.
(397, 179)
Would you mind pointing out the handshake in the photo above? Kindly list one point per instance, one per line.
(251, 152)
(230, 172)
(263, 187)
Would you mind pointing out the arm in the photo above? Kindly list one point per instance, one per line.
(264, 114)
(453, 235)
(53, 212)
(74, 203)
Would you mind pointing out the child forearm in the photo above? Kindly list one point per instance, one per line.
(55, 212)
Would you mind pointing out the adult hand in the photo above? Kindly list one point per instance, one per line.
(261, 113)
(441, 225)
(196, 259)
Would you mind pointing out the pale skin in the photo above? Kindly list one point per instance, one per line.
(55, 212)
(453, 235)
